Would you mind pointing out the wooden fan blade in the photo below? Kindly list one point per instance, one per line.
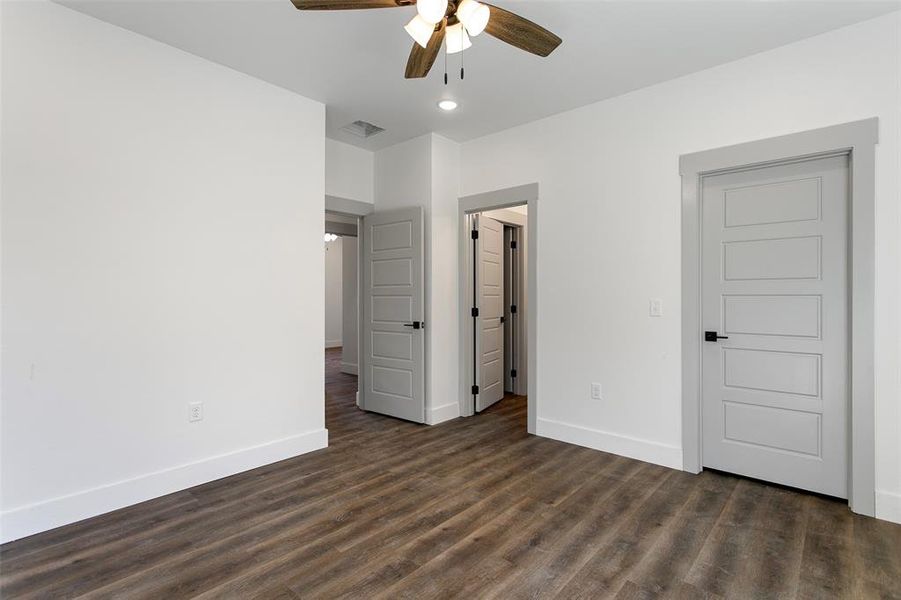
(520, 32)
(421, 59)
(348, 4)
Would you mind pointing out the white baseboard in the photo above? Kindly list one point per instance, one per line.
(333, 343)
(349, 368)
(652, 452)
(888, 506)
(34, 518)
(443, 413)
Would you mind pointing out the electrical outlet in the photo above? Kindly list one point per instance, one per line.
(655, 307)
(595, 391)
(195, 411)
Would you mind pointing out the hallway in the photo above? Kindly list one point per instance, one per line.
(472, 508)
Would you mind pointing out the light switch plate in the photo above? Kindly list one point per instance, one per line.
(655, 307)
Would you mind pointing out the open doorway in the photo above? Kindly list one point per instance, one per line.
(497, 330)
(341, 333)
(495, 277)
(380, 306)
(341, 277)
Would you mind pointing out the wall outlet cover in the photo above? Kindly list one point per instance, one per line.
(595, 391)
(655, 307)
(195, 411)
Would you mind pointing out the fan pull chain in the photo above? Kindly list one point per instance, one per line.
(445, 65)
(461, 65)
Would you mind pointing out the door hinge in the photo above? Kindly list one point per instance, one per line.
(475, 311)
(475, 390)
(512, 372)
(513, 309)
(475, 234)
(513, 244)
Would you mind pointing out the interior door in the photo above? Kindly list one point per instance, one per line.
(490, 285)
(509, 317)
(393, 345)
(775, 314)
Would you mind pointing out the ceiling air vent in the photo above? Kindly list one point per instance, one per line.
(362, 129)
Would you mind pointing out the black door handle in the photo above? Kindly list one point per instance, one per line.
(414, 325)
(711, 336)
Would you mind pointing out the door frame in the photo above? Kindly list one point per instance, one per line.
(358, 209)
(497, 199)
(857, 140)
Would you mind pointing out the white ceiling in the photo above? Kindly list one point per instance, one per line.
(353, 61)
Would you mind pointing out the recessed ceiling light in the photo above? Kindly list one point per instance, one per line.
(447, 105)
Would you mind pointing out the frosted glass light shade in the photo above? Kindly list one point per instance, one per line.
(456, 39)
(474, 15)
(420, 30)
(431, 11)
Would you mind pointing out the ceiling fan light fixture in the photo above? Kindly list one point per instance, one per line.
(431, 11)
(452, 21)
(447, 105)
(456, 39)
(474, 15)
(420, 30)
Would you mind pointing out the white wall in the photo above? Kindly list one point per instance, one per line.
(403, 174)
(444, 373)
(334, 291)
(348, 171)
(609, 235)
(424, 172)
(160, 213)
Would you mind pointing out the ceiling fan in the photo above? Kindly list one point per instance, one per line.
(451, 22)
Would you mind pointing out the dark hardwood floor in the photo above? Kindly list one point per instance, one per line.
(473, 508)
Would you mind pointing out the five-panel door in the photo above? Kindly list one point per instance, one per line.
(392, 330)
(775, 309)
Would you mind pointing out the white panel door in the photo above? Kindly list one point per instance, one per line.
(393, 362)
(774, 286)
(490, 284)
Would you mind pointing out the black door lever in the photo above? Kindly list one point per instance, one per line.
(711, 336)
(414, 325)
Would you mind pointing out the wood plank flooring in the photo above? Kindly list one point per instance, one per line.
(473, 508)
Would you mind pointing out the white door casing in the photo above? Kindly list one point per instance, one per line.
(490, 285)
(466, 206)
(393, 346)
(774, 281)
